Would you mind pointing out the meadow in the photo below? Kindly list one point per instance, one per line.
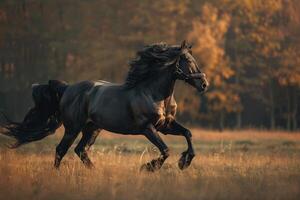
(247, 164)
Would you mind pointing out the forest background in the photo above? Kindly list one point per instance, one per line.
(249, 49)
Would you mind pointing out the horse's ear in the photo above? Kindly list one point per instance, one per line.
(183, 45)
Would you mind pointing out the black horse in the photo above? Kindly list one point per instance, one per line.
(144, 104)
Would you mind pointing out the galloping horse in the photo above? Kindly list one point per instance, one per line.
(143, 105)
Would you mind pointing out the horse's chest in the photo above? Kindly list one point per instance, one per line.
(160, 108)
(149, 111)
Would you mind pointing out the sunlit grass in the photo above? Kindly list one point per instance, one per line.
(229, 165)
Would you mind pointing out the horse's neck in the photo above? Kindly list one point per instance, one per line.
(162, 86)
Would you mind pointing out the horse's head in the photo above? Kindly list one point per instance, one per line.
(187, 69)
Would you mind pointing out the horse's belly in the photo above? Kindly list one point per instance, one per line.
(111, 112)
(116, 123)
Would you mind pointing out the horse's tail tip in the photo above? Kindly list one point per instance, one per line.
(13, 145)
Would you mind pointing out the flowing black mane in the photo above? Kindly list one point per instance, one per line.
(150, 60)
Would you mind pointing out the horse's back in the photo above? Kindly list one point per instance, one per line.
(109, 106)
(80, 97)
(76, 90)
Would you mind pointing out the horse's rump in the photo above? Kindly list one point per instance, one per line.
(73, 105)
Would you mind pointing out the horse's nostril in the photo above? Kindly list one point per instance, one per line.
(204, 86)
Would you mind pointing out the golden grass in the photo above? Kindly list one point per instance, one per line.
(221, 172)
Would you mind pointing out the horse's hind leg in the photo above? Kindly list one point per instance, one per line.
(64, 145)
(152, 134)
(89, 135)
(92, 139)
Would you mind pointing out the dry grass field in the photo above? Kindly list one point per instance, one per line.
(229, 165)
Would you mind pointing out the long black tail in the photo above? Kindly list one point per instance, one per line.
(41, 120)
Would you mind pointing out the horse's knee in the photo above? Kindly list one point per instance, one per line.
(188, 133)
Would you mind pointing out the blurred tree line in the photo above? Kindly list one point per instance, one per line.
(249, 49)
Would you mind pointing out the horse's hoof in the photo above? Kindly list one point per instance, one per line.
(56, 166)
(152, 166)
(185, 160)
(147, 167)
(57, 160)
(89, 165)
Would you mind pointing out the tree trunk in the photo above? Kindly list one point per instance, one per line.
(272, 107)
(238, 114)
(288, 121)
(238, 120)
(295, 109)
(221, 123)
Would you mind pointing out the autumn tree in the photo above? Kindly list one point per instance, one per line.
(208, 38)
(288, 74)
(249, 50)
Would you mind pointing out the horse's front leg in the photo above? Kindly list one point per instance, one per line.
(152, 134)
(174, 128)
